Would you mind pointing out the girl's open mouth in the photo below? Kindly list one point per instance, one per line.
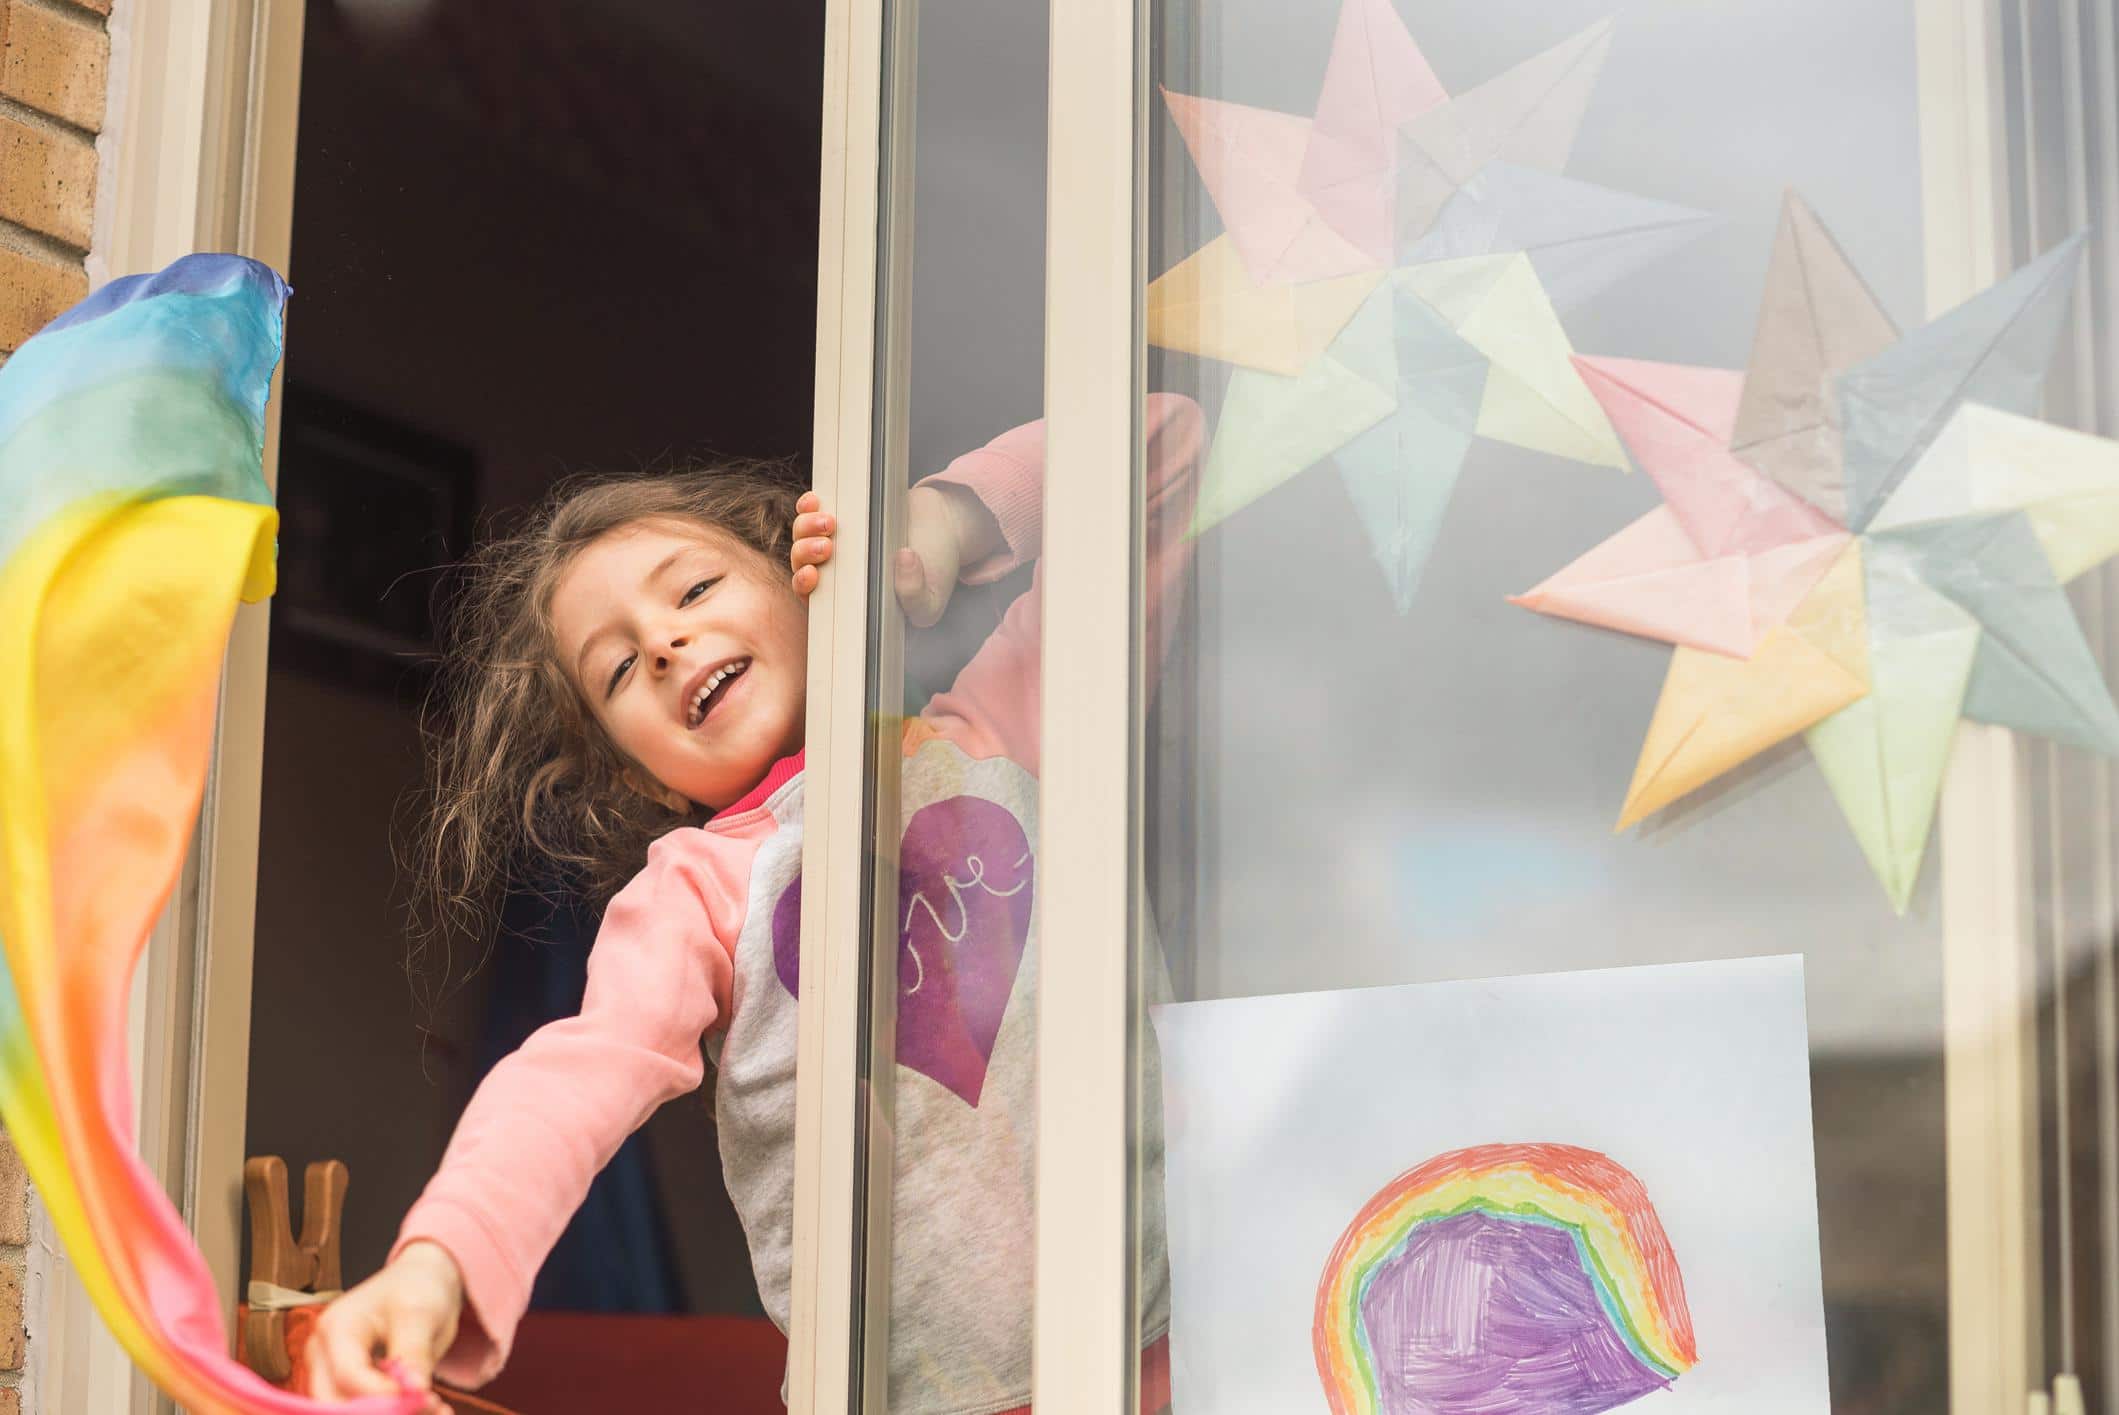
(713, 692)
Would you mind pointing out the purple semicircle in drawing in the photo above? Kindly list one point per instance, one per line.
(1480, 1315)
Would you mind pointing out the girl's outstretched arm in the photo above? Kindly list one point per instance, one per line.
(552, 1114)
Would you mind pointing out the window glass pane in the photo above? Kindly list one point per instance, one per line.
(2059, 126)
(953, 789)
(1577, 451)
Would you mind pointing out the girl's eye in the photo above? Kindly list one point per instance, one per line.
(695, 591)
(616, 674)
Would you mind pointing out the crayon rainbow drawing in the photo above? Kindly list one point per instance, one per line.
(1502, 1280)
(134, 515)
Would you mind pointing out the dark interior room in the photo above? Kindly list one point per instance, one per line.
(532, 238)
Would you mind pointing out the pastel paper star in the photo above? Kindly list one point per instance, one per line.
(1398, 207)
(1864, 538)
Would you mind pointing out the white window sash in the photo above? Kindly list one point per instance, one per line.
(1089, 785)
(839, 1319)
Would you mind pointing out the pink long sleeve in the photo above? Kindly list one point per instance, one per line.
(1007, 477)
(992, 708)
(552, 1114)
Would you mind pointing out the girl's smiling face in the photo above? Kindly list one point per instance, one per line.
(691, 649)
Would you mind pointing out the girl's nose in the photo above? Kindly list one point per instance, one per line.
(662, 660)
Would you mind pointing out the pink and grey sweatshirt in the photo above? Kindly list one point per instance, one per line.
(703, 944)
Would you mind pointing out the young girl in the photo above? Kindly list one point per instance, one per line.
(628, 677)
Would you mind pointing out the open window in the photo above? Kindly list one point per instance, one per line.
(1438, 810)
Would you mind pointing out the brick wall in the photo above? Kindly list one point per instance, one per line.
(14, 1240)
(54, 61)
(54, 57)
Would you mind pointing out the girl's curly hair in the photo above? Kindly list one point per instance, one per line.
(522, 781)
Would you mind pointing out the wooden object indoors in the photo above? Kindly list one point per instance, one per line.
(283, 1266)
(291, 1278)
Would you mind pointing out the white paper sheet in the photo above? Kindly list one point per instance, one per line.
(1286, 1115)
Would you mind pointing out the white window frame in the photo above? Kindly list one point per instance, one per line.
(840, 1219)
(198, 154)
(1089, 825)
(1089, 779)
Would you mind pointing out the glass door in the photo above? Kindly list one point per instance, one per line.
(905, 928)
(1622, 733)
(1566, 765)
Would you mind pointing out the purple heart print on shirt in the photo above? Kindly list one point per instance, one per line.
(964, 891)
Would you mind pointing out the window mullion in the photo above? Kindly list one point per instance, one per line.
(1088, 780)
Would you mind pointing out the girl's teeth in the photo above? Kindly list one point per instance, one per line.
(698, 712)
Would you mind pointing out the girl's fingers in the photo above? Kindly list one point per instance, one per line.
(323, 1360)
(812, 544)
(908, 575)
(808, 501)
(350, 1363)
(410, 1348)
(916, 595)
(321, 1386)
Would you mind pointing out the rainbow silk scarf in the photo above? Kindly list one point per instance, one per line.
(134, 515)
